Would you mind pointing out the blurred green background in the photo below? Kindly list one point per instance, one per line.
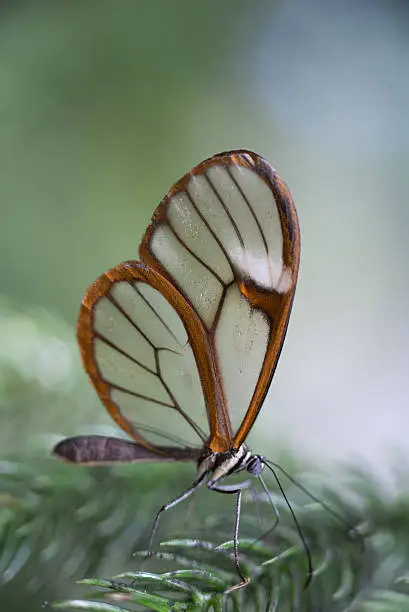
(103, 105)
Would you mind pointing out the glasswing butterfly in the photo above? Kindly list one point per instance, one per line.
(189, 336)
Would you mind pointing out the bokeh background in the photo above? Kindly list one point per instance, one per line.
(103, 106)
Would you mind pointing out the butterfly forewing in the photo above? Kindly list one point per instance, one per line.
(227, 237)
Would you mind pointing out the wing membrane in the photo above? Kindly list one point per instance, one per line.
(137, 352)
(226, 235)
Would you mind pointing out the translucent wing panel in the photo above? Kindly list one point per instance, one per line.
(192, 229)
(142, 353)
(152, 419)
(152, 314)
(227, 236)
(196, 280)
(121, 371)
(240, 342)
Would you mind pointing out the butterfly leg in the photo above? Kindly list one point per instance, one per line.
(235, 490)
(168, 506)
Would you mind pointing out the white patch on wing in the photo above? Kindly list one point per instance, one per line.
(255, 262)
(286, 281)
(217, 218)
(261, 199)
(240, 211)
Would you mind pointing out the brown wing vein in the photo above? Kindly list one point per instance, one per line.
(124, 353)
(166, 326)
(220, 306)
(162, 348)
(232, 221)
(205, 222)
(194, 425)
(117, 305)
(139, 395)
(193, 254)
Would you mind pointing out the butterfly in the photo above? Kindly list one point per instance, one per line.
(182, 345)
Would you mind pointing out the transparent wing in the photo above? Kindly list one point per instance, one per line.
(138, 355)
(227, 237)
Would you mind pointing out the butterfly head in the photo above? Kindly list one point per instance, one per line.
(255, 465)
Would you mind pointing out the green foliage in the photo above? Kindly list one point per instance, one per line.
(59, 522)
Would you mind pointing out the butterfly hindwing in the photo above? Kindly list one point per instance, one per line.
(137, 352)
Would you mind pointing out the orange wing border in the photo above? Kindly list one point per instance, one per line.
(131, 271)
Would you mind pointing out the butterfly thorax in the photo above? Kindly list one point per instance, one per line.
(219, 465)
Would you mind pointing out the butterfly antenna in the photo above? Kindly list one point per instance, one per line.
(296, 523)
(276, 512)
(324, 505)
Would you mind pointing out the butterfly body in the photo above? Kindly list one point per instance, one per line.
(221, 465)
